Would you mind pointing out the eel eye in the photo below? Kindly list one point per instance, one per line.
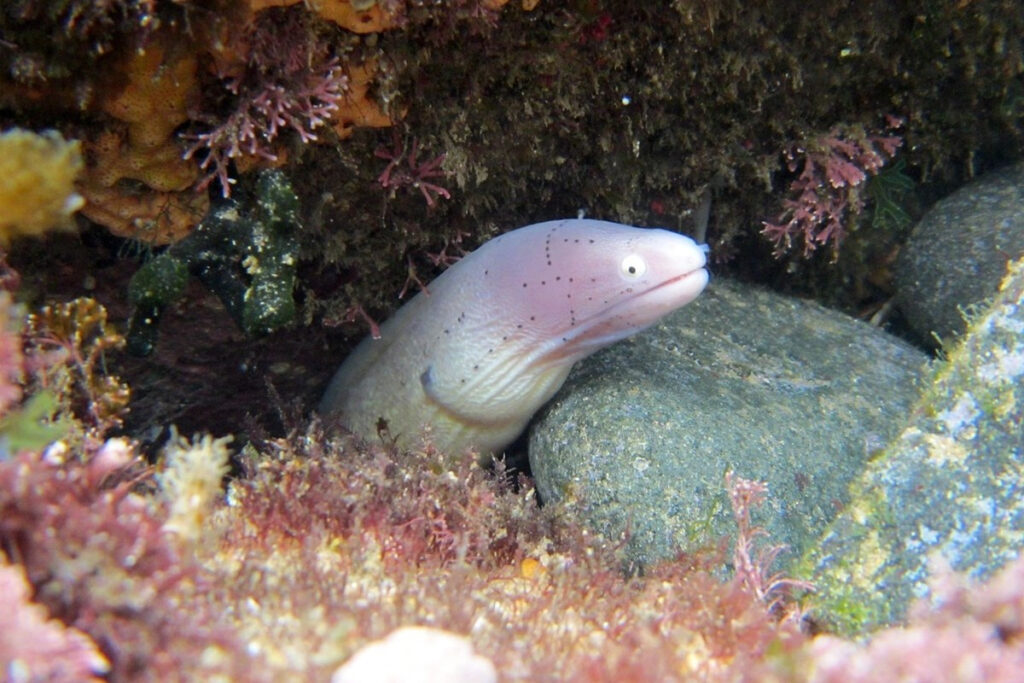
(633, 266)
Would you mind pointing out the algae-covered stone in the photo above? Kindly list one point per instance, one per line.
(958, 253)
(245, 252)
(272, 257)
(160, 281)
(742, 379)
(948, 488)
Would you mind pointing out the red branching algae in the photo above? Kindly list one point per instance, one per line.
(356, 311)
(344, 543)
(411, 280)
(828, 191)
(291, 82)
(405, 170)
(442, 257)
(323, 546)
(93, 549)
(752, 565)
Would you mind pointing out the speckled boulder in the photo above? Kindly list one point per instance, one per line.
(948, 491)
(774, 388)
(958, 253)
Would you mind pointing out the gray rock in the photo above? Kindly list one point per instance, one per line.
(951, 487)
(958, 253)
(773, 388)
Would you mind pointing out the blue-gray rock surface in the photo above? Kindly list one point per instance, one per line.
(957, 254)
(949, 488)
(773, 388)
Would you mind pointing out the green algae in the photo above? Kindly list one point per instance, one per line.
(946, 490)
(246, 253)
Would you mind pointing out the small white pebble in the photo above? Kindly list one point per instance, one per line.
(55, 453)
(417, 654)
(115, 453)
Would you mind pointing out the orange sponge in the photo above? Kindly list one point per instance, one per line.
(358, 109)
(159, 207)
(358, 17)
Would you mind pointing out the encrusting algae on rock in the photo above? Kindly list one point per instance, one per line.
(243, 251)
(960, 453)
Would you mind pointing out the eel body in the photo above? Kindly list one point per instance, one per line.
(494, 336)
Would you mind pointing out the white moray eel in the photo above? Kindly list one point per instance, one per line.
(495, 335)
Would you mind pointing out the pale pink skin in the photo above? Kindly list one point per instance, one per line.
(497, 334)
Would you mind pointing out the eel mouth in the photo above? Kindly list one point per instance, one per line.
(643, 309)
(684, 288)
(628, 316)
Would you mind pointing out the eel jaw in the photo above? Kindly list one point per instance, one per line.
(632, 314)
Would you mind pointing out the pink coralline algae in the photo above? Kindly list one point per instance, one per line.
(290, 82)
(34, 647)
(93, 547)
(828, 191)
(963, 632)
(752, 564)
(406, 170)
